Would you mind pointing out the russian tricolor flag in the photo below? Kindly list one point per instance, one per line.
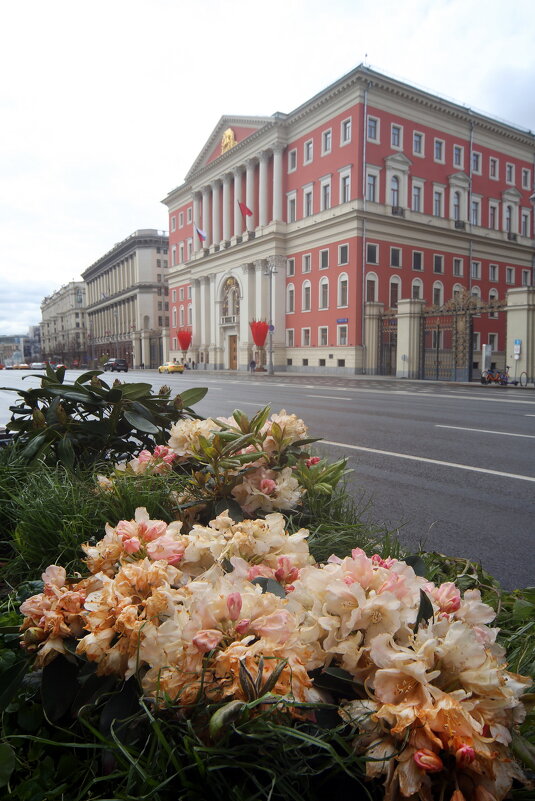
(200, 234)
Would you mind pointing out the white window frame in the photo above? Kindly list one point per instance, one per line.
(290, 298)
(394, 281)
(308, 191)
(438, 193)
(493, 205)
(438, 285)
(457, 261)
(475, 270)
(510, 276)
(323, 332)
(526, 178)
(173, 295)
(376, 246)
(345, 174)
(291, 198)
(438, 258)
(475, 211)
(189, 248)
(181, 316)
(460, 164)
(324, 282)
(493, 342)
(320, 258)
(509, 173)
(325, 183)
(494, 273)
(190, 314)
(422, 260)
(525, 223)
(174, 316)
(326, 141)
(181, 220)
(496, 162)
(290, 267)
(173, 222)
(526, 277)
(343, 277)
(343, 245)
(477, 159)
(181, 253)
(292, 156)
(396, 125)
(306, 263)
(371, 278)
(189, 214)
(308, 151)
(417, 282)
(400, 251)
(442, 158)
(181, 293)
(306, 285)
(377, 137)
(417, 185)
(290, 337)
(345, 125)
(305, 334)
(419, 154)
(173, 255)
(341, 333)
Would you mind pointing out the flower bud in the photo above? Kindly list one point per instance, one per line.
(242, 625)
(234, 604)
(465, 755)
(33, 635)
(427, 760)
(312, 461)
(38, 419)
(447, 597)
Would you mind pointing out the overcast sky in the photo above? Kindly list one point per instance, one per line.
(104, 105)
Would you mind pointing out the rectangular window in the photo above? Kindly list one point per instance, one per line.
(308, 151)
(493, 168)
(510, 173)
(437, 202)
(343, 292)
(305, 337)
(343, 254)
(291, 208)
(326, 195)
(416, 291)
(371, 188)
(342, 334)
(476, 339)
(474, 212)
(292, 160)
(458, 156)
(524, 224)
(173, 255)
(493, 217)
(181, 293)
(526, 179)
(189, 213)
(396, 136)
(181, 220)
(290, 267)
(493, 272)
(307, 203)
(439, 150)
(526, 278)
(372, 254)
(509, 275)
(418, 143)
(370, 290)
(395, 257)
(458, 267)
(290, 337)
(438, 263)
(323, 333)
(345, 131)
(476, 163)
(417, 260)
(306, 263)
(189, 292)
(476, 269)
(326, 142)
(493, 341)
(416, 197)
(306, 296)
(173, 223)
(173, 295)
(373, 129)
(189, 247)
(345, 188)
(324, 259)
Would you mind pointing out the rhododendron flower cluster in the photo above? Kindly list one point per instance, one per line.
(193, 618)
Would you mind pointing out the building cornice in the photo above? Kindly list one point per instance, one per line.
(143, 238)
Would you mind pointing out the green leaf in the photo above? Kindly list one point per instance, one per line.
(192, 396)
(140, 423)
(35, 444)
(270, 585)
(233, 507)
(224, 716)
(87, 376)
(7, 763)
(59, 687)
(523, 610)
(425, 612)
(120, 706)
(136, 391)
(11, 682)
(418, 565)
(66, 452)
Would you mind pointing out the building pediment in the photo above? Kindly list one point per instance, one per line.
(460, 179)
(228, 133)
(511, 195)
(398, 161)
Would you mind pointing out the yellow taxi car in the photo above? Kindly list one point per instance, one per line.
(171, 367)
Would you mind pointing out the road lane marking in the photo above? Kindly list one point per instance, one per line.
(488, 431)
(429, 461)
(329, 397)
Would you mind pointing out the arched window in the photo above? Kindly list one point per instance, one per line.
(476, 292)
(493, 296)
(456, 205)
(395, 291)
(290, 298)
(438, 293)
(343, 293)
(457, 291)
(417, 289)
(324, 294)
(306, 296)
(371, 288)
(394, 191)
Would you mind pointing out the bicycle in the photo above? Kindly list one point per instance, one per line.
(523, 379)
(497, 377)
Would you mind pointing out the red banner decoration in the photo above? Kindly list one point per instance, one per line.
(259, 330)
(184, 338)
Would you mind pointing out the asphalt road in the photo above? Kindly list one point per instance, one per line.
(448, 467)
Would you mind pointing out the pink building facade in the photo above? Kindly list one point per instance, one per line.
(371, 192)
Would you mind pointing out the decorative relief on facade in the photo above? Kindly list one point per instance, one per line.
(228, 140)
(230, 310)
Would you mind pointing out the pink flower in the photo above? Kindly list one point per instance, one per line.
(234, 605)
(207, 639)
(380, 562)
(165, 453)
(242, 625)
(55, 576)
(276, 626)
(144, 456)
(286, 571)
(428, 760)
(312, 460)
(447, 597)
(167, 548)
(131, 544)
(465, 755)
(267, 486)
(260, 570)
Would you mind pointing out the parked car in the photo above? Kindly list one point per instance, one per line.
(171, 367)
(38, 366)
(21, 366)
(116, 365)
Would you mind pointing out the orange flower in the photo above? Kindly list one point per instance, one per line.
(428, 760)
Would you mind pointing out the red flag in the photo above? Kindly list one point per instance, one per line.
(244, 209)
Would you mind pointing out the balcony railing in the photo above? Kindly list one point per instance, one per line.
(230, 320)
(460, 224)
(511, 237)
(398, 211)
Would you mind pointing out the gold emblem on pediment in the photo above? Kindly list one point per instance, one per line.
(228, 140)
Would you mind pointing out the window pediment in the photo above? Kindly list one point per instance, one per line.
(511, 195)
(398, 161)
(459, 179)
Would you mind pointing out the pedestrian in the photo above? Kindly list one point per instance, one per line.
(193, 364)
(252, 365)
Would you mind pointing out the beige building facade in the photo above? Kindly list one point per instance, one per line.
(64, 325)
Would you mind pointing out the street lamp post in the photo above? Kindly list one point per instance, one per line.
(270, 271)
(115, 315)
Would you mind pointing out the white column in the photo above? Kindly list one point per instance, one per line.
(249, 192)
(216, 228)
(277, 181)
(238, 217)
(226, 206)
(206, 215)
(196, 220)
(263, 193)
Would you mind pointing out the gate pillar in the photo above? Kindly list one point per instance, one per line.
(520, 311)
(372, 336)
(408, 358)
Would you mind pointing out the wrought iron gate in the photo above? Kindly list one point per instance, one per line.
(388, 342)
(446, 347)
